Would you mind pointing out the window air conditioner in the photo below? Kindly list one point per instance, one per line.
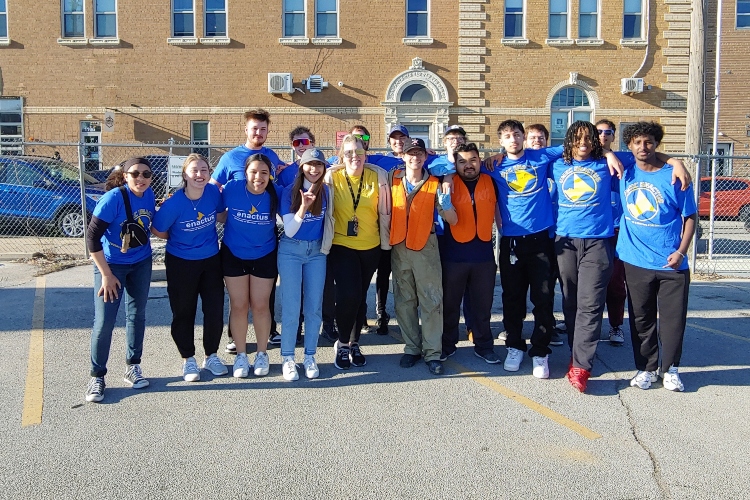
(631, 85)
(280, 83)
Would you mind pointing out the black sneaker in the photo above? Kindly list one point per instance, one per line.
(275, 338)
(342, 361)
(489, 356)
(356, 356)
(409, 360)
(447, 354)
(330, 332)
(435, 367)
(231, 348)
(556, 338)
(95, 390)
(383, 320)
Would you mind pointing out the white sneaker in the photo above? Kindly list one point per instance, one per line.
(214, 365)
(241, 366)
(288, 368)
(190, 371)
(671, 380)
(513, 359)
(231, 348)
(311, 367)
(260, 367)
(541, 366)
(502, 336)
(643, 379)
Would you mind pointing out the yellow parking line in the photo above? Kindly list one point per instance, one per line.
(719, 332)
(33, 398)
(532, 405)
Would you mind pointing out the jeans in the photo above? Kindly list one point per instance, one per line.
(302, 268)
(136, 281)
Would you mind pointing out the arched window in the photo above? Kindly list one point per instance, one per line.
(416, 93)
(568, 105)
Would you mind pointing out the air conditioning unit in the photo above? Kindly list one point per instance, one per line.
(631, 85)
(315, 83)
(280, 83)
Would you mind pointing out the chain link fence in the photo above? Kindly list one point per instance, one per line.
(46, 197)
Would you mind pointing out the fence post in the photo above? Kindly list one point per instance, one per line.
(82, 185)
(697, 196)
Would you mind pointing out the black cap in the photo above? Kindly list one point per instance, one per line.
(414, 143)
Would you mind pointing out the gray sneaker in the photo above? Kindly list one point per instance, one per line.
(616, 336)
(134, 377)
(190, 370)
(214, 365)
(95, 390)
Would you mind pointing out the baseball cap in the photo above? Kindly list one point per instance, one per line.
(398, 128)
(415, 143)
(312, 154)
(455, 128)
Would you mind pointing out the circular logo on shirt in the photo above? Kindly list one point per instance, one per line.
(579, 186)
(642, 201)
(521, 179)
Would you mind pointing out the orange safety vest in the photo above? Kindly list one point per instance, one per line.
(485, 200)
(415, 227)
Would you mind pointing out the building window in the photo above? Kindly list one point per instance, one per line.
(183, 20)
(743, 13)
(105, 18)
(558, 19)
(294, 18)
(11, 125)
(3, 19)
(417, 18)
(633, 19)
(513, 19)
(588, 19)
(568, 105)
(199, 135)
(215, 20)
(326, 18)
(623, 126)
(73, 19)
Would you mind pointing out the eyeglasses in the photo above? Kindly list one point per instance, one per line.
(606, 132)
(137, 173)
(455, 138)
(351, 153)
(364, 137)
(300, 142)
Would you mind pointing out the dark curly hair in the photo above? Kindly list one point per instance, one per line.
(643, 129)
(571, 137)
(301, 130)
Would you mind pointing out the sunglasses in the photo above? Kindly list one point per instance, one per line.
(300, 142)
(606, 132)
(364, 137)
(135, 174)
(354, 152)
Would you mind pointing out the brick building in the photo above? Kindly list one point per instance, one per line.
(187, 69)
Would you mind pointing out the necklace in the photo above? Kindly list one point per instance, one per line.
(197, 202)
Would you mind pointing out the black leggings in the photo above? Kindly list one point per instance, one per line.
(352, 272)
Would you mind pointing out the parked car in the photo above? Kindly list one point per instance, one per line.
(45, 192)
(159, 166)
(732, 198)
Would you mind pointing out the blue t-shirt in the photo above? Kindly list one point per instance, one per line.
(584, 198)
(651, 224)
(232, 163)
(250, 230)
(286, 177)
(524, 197)
(191, 223)
(440, 166)
(311, 228)
(111, 209)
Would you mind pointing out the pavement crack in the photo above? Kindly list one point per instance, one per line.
(656, 472)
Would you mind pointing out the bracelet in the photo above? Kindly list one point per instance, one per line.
(683, 255)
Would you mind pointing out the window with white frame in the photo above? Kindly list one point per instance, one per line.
(513, 19)
(73, 19)
(743, 13)
(632, 20)
(295, 19)
(215, 18)
(11, 125)
(588, 19)
(183, 18)
(199, 135)
(3, 19)
(105, 18)
(417, 18)
(558, 19)
(326, 18)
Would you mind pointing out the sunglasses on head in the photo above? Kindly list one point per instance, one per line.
(606, 132)
(364, 137)
(354, 152)
(300, 142)
(137, 173)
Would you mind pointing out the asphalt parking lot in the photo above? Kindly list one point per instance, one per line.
(380, 431)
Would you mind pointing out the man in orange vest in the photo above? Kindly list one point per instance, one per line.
(417, 275)
(467, 255)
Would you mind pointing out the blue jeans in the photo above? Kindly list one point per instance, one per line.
(302, 269)
(136, 281)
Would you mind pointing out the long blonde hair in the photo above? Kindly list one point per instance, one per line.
(190, 159)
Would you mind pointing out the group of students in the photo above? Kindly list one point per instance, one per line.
(425, 219)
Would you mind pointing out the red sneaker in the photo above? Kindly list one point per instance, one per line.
(578, 378)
